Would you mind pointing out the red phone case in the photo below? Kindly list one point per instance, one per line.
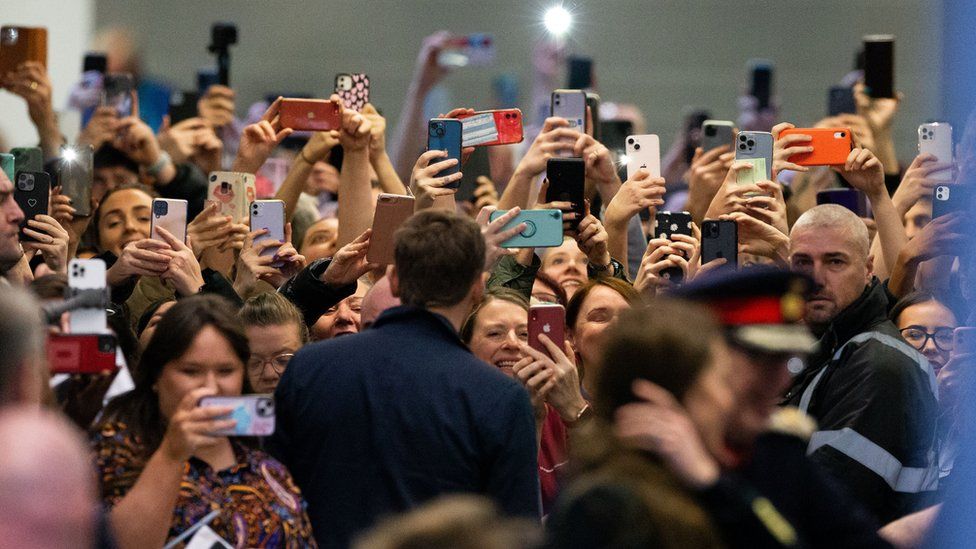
(81, 353)
(508, 122)
(548, 319)
(831, 146)
(316, 115)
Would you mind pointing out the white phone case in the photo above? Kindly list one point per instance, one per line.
(268, 214)
(233, 191)
(170, 214)
(86, 274)
(643, 151)
(936, 139)
(571, 105)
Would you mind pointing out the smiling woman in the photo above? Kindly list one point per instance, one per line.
(123, 216)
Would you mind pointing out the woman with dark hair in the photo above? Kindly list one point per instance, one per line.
(161, 469)
(926, 322)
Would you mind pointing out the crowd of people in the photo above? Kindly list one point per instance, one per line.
(810, 395)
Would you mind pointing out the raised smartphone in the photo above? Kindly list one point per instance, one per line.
(570, 105)
(567, 184)
(353, 89)
(270, 215)
(548, 319)
(255, 414)
(7, 166)
(31, 192)
(935, 138)
(81, 353)
(543, 228)
(233, 191)
(475, 50)
(668, 224)
(86, 274)
(21, 44)
(840, 100)
(170, 214)
(316, 115)
(751, 176)
(75, 175)
(761, 81)
(720, 240)
(716, 133)
(28, 159)
(118, 93)
(206, 78)
(580, 72)
(755, 145)
(593, 103)
(392, 210)
(489, 128)
(614, 134)
(852, 199)
(947, 199)
(879, 65)
(643, 152)
(444, 134)
(182, 106)
(831, 146)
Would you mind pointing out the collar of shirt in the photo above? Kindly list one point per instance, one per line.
(408, 314)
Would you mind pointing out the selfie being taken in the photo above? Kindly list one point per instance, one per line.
(559, 274)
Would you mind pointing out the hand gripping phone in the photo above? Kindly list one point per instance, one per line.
(840, 100)
(831, 146)
(270, 215)
(28, 159)
(567, 178)
(756, 145)
(233, 191)
(720, 240)
(666, 225)
(548, 319)
(75, 175)
(444, 134)
(716, 133)
(852, 199)
(254, 414)
(170, 214)
(118, 93)
(392, 210)
(182, 106)
(21, 44)
(31, 192)
(353, 89)
(489, 128)
(543, 228)
(643, 152)
(753, 175)
(935, 138)
(81, 353)
(879, 65)
(570, 105)
(947, 199)
(316, 115)
(86, 275)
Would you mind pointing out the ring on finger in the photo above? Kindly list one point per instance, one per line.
(33, 85)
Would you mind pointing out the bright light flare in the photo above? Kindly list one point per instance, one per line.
(558, 20)
(623, 159)
(69, 155)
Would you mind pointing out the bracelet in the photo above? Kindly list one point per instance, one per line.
(164, 159)
(301, 153)
(584, 413)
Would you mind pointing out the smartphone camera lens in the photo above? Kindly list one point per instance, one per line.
(160, 208)
(751, 143)
(742, 138)
(213, 177)
(710, 131)
(637, 147)
(742, 147)
(630, 141)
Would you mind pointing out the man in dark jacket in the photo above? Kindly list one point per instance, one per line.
(378, 422)
(872, 394)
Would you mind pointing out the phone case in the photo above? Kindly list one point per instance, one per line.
(756, 145)
(720, 239)
(879, 65)
(840, 100)
(852, 199)
(170, 214)
(571, 105)
(831, 146)
(182, 106)
(444, 134)
(392, 210)
(269, 214)
(118, 93)
(964, 341)
(81, 353)
(75, 177)
(666, 225)
(28, 159)
(593, 102)
(255, 414)
(548, 319)
(206, 78)
(761, 81)
(31, 192)
(947, 199)
(936, 139)
(353, 89)
(716, 133)
(543, 228)
(751, 176)
(475, 50)
(86, 274)
(7, 166)
(21, 44)
(567, 184)
(233, 191)
(316, 115)
(643, 152)
(489, 128)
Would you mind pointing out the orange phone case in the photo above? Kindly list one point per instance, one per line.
(316, 115)
(20, 44)
(831, 146)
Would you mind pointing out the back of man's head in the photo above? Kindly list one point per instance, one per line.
(438, 257)
(47, 485)
(832, 216)
(21, 347)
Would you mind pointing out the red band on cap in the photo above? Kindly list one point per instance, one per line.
(743, 311)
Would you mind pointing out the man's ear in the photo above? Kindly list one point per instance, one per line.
(477, 291)
(869, 266)
(394, 281)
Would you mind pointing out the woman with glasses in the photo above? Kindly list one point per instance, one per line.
(276, 331)
(926, 323)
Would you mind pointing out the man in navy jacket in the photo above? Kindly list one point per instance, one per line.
(378, 422)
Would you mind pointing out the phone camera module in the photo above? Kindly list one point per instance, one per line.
(213, 177)
(160, 208)
(637, 146)
(26, 182)
(630, 141)
(742, 138)
(9, 37)
(264, 407)
(751, 143)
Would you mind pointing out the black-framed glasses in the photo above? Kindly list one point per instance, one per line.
(917, 337)
(278, 362)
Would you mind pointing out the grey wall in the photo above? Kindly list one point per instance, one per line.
(660, 55)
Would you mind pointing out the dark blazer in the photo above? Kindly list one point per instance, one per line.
(381, 421)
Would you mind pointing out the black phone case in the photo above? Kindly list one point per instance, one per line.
(840, 100)
(182, 106)
(879, 67)
(32, 201)
(947, 199)
(720, 239)
(567, 184)
(669, 223)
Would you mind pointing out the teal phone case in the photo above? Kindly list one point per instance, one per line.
(544, 228)
(7, 165)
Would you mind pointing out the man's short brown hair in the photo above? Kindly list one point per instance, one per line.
(438, 256)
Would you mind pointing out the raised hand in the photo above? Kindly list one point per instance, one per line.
(494, 235)
(188, 430)
(760, 238)
(101, 129)
(562, 386)
(641, 192)
(556, 137)
(259, 139)
(349, 263)
(50, 239)
(217, 106)
(184, 269)
(425, 185)
(784, 148)
(705, 176)
(356, 129)
(918, 181)
(140, 258)
(592, 239)
(864, 172)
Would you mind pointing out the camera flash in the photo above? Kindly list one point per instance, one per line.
(69, 155)
(557, 20)
(623, 159)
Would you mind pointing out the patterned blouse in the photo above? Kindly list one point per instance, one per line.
(259, 504)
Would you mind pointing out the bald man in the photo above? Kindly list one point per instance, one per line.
(872, 394)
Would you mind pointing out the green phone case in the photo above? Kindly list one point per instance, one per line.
(28, 159)
(7, 165)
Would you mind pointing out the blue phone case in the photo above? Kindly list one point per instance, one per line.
(444, 134)
(544, 228)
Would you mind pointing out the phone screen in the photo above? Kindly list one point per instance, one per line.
(879, 65)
